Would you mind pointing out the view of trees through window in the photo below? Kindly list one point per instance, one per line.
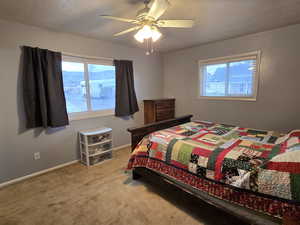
(229, 79)
(100, 81)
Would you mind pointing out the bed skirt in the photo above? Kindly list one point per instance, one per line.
(258, 202)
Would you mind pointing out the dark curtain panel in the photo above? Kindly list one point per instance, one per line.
(43, 94)
(126, 102)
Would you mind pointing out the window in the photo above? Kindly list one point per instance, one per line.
(231, 78)
(89, 86)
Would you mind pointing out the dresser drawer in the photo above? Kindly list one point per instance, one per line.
(163, 105)
(161, 110)
(165, 114)
(164, 117)
(158, 109)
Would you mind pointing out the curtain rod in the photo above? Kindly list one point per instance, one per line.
(85, 56)
(79, 56)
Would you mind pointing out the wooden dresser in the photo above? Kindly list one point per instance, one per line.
(159, 109)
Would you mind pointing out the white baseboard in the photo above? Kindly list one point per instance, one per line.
(16, 180)
(36, 173)
(122, 146)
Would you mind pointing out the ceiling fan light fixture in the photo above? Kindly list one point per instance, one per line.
(143, 33)
(139, 37)
(155, 34)
(147, 32)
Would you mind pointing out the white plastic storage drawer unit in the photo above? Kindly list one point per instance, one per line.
(95, 145)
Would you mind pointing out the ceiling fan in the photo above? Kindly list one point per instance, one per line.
(148, 23)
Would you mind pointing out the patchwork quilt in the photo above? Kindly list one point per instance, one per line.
(265, 163)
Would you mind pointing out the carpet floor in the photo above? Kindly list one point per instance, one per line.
(103, 194)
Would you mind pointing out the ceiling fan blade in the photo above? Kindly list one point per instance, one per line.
(127, 31)
(158, 8)
(119, 19)
(176, 23)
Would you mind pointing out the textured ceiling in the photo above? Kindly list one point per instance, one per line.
(215, 19)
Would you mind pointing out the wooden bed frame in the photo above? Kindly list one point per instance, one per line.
(249, 216)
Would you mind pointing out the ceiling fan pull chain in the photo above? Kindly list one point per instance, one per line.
(152, 46)
(147, 45)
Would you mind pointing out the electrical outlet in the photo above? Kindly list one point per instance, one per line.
(36, 155)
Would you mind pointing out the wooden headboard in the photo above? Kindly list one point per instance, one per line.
(137, 133)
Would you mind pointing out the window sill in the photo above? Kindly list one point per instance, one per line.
(89, 115)
(251, 99)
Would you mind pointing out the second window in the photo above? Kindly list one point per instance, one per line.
(234, 77)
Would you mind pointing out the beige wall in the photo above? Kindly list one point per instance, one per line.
(60, 145)
(277, 106)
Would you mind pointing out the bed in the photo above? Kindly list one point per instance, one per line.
(254, 174)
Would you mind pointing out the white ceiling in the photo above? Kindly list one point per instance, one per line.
(215, 19)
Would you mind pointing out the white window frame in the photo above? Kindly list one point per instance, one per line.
(227, 59)
(90, 113)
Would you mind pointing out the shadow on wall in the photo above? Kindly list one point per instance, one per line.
(20, 106)
(20, 103)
